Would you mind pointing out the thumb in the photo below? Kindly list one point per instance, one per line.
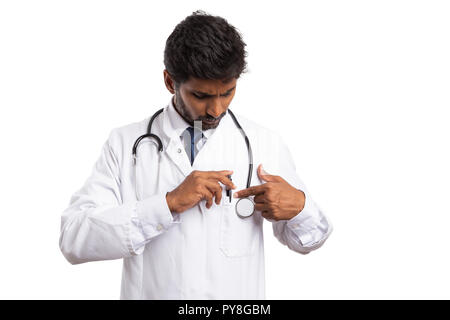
(263, 175)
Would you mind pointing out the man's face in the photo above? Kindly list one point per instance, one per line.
(204, 100)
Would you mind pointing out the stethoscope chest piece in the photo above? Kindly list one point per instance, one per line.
(245, 207)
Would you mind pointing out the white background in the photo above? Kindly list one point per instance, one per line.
(359, 90)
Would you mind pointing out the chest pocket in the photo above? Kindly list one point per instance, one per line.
(239, 237)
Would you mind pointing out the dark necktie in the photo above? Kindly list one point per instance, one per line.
(194, 139)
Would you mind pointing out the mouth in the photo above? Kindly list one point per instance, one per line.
(211, 122)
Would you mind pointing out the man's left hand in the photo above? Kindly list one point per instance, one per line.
(276, 199)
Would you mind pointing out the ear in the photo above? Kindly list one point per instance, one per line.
(168, 81)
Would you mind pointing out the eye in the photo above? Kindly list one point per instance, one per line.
(198, 96)
(204, 97)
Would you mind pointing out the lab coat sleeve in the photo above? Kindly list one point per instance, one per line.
(97, 225)
(309, 229)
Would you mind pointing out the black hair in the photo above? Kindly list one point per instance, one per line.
(206, 47)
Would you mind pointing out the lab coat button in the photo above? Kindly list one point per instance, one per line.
(179, 150)
(159, 227)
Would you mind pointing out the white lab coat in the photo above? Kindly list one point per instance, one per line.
(198, 254)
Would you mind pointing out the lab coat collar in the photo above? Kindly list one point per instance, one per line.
(179, 125)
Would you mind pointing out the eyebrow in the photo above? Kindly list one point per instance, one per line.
(210, 95)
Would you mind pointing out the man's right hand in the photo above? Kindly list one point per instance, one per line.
(199, 185)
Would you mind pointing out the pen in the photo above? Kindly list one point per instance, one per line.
(229, 190)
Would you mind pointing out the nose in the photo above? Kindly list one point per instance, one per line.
(215, 109)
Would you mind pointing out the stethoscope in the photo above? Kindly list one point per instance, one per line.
(245, 207)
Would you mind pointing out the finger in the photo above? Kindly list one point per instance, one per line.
(218, 176)
(207, 195)
(255, 190)
(263, 175)
(261, 207)
(225, 181)
(222, 173)
(215, 189)
(266, 214)
(260, 198)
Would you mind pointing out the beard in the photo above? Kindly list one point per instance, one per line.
(181, 108)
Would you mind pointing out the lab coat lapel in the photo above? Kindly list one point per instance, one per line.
(221, 151)
(225, 150)
(209, 157)
(174, 149)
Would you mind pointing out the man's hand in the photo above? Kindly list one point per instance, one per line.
(199, 185)
(276, 199)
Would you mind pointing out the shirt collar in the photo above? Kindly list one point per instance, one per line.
(179, 124)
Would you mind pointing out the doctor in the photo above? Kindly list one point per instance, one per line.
(169, 213)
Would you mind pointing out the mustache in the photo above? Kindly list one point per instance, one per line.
(211, 119)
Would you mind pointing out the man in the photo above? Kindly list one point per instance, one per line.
(168, 213)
